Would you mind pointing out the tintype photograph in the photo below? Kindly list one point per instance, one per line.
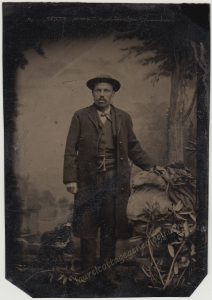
(106, 118)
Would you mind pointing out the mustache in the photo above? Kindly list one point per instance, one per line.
(101, 98)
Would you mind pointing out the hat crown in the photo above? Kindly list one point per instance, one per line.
(104, 78)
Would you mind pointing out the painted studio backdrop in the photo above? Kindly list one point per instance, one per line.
(59, 79)
(163, 70)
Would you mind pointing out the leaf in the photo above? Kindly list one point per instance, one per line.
(176, 268)
(175, 228)
(176, 243)
(20, 269)
(171, 250)
(61, 277)
(193, 217)
(136, 238)
(185, 264)
(156, 231)
(64, 280)
(179, 217)
(178, 206)
(192, 228)
(167, 224)
(193, 251)
(186, 229)
(51, 277)
(145, 271)
(184, 212)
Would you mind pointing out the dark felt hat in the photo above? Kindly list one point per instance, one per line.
(104, 78)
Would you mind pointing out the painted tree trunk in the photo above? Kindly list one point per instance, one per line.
(175, 118)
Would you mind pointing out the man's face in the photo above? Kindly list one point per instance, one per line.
(102, 94)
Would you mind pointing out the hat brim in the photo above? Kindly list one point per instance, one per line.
(115, 83)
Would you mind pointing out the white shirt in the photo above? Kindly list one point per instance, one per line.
(106, 112)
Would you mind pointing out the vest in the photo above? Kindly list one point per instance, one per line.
(106, 146)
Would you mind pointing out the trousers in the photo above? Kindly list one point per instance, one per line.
(101, 216)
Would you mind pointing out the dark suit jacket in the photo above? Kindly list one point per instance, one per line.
(80, 162)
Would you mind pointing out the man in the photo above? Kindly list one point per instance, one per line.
(97, 171)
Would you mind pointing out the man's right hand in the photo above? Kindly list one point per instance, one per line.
(72, 187)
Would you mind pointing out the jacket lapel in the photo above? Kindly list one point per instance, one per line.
(118, 119)
(93, 118)
(92, 113)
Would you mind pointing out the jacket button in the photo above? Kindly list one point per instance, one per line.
(120, 143)
(121, 158)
